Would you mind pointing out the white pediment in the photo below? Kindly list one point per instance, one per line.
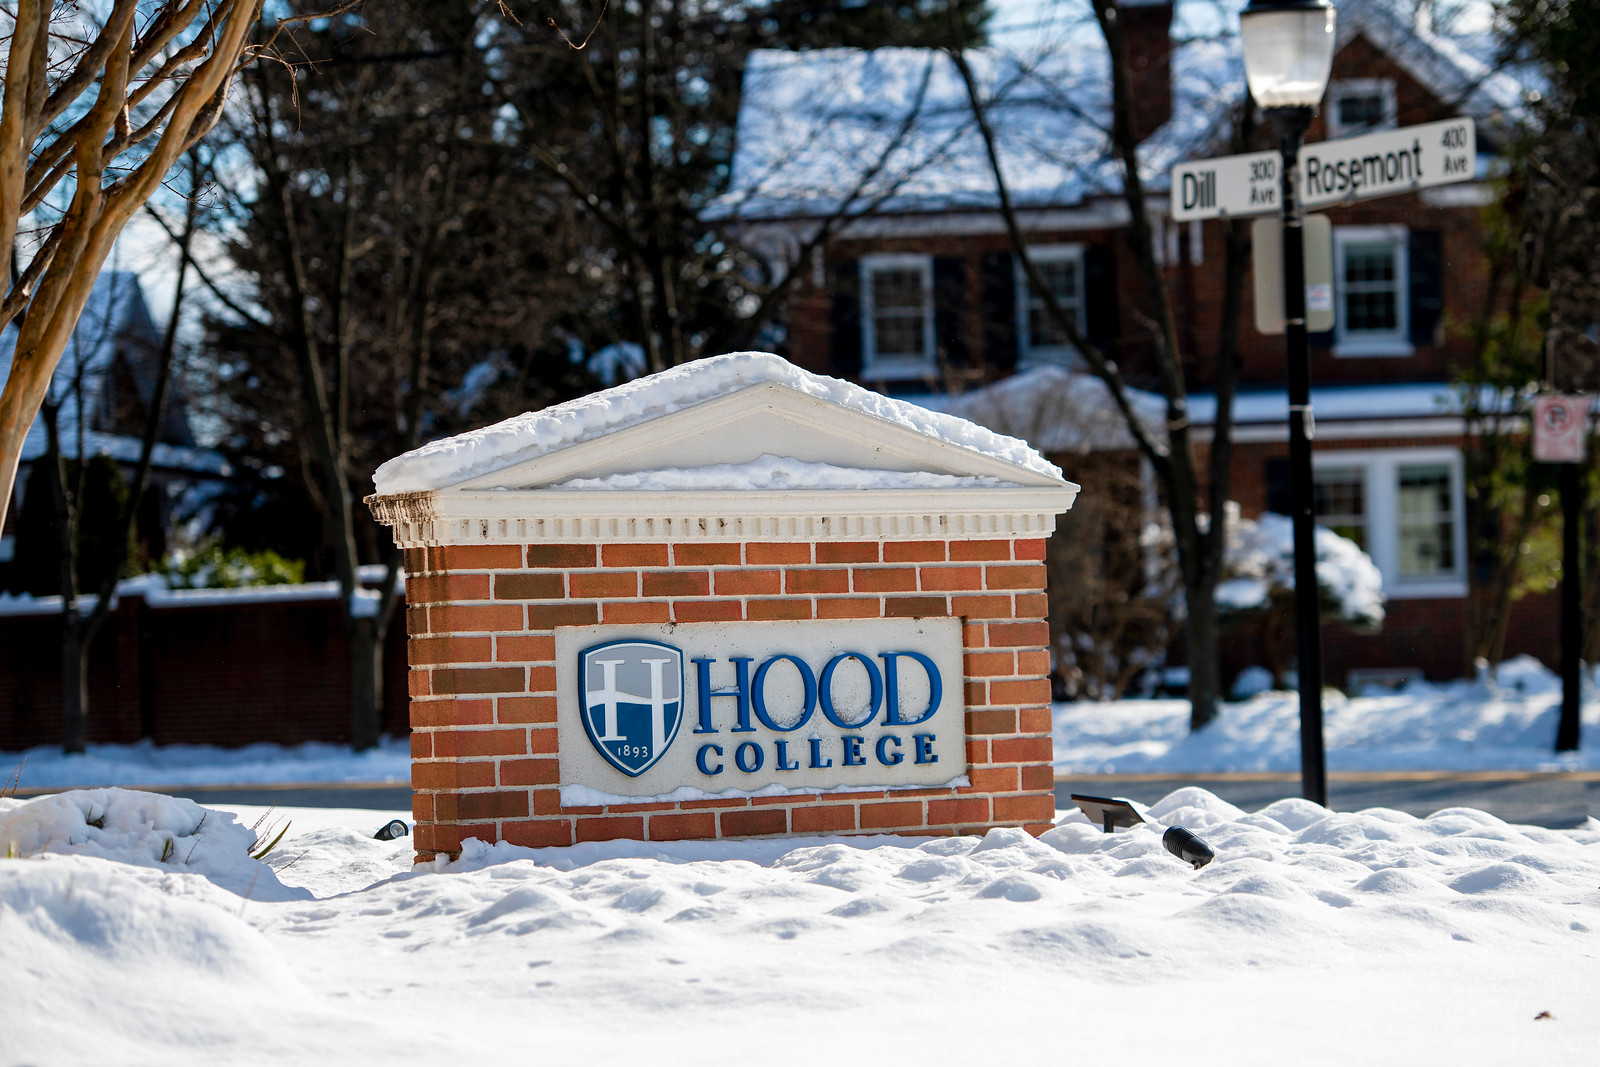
(763, 420)
(745, 446)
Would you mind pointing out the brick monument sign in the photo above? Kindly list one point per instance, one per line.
(731, 599)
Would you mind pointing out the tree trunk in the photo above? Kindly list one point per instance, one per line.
(74, 687)
(1590, 563)
(1271, 642)
(1201, 637)
(366, 683)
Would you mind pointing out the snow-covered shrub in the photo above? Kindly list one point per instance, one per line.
(1252, 681)
(1258, 584)
(145, 830)
(1259, 566)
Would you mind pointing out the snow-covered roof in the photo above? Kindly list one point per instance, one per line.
(115, 319)
(1454, 70)
(813, 124)
(1059, 410)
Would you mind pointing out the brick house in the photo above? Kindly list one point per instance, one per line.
(915, 291)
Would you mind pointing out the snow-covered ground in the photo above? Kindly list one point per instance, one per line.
(134, 927)
(1506, 721)
(176, 766)
(1313, 938)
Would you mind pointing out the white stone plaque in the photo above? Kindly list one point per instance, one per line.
(696, 709)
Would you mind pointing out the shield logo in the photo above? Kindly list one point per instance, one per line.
(632, 696)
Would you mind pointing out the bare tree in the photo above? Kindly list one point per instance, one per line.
(638, 130)
(1199, 542)
(396, 245)
(97, 108)
(79, 629)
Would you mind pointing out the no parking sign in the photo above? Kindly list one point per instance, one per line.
(1559, 427)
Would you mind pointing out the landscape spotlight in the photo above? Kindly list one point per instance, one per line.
(1109, 812)
(392, 830)
(1187, 847)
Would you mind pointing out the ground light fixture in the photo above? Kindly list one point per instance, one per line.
(1187, 847)
(393, 830)
(1115, 812)
(1288, 54)
(1109, 812)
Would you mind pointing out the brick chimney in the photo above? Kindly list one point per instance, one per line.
(1147, 31)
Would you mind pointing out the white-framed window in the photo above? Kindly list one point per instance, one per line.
(897, 316)
(1372, 279)
(1040, 340)
(1361, 105)
(1405, 507)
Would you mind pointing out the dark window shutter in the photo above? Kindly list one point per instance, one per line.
(844, 317)
(1426, 257)
(999, 283)
(950, 310)
(1280, 492)
(1100, 322)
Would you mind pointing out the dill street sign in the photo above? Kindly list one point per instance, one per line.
(1331, 172)
(1227, 185)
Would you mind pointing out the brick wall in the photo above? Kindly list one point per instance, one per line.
(221, 674)
(1424, 633)
(483, 677)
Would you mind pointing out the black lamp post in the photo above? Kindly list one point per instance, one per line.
(1288, 52)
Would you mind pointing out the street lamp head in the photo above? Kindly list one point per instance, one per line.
(1288, 51)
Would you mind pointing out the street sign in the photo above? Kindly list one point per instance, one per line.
(1266, 240)
(1559, 426)
(1388, 162)
(1227, 185)
(1331, 172)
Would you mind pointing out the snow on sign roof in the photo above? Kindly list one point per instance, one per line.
(736, 446)
(477, 453)
(1058, 410)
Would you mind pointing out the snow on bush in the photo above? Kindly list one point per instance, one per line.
(144, 830)
(1252, 681)
(1260, 566)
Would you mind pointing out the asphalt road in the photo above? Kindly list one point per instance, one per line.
(1559, 801)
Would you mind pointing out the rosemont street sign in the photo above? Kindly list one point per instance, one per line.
(1331, 172)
